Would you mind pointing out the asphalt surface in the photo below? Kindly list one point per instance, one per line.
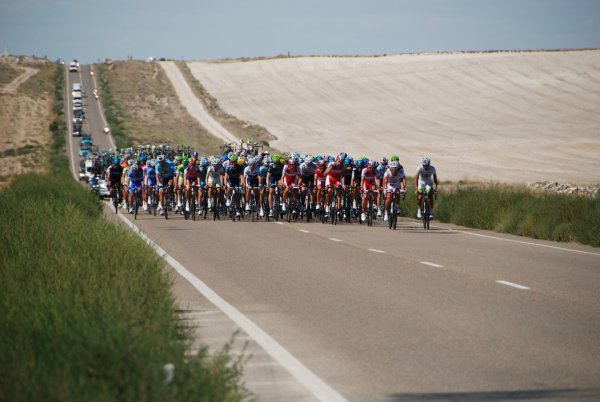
(379, 315)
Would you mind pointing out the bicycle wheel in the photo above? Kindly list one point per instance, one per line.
(193, 206)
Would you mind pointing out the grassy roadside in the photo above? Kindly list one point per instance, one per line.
(86, 309)
(518, 210)
(87, 312)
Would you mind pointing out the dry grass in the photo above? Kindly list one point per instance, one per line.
(24, 119)
(149, 110)
(8, 72)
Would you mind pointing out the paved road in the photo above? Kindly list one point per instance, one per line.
(447, 314)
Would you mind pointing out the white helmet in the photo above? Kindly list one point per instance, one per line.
(425, 161)
(394, 164)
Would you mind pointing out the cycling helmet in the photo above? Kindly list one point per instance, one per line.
(360, 163)
(342, 156)
(371, 164)
(135, 167)
(425, 161)
(151, 163)
(161, 158)
(215, 162)
(226, 158)
(143, 158)
(115, 160)
(233, 159)
(204, 162)
(251, 161)
(384, 161)
(130, 162)
(185, 161)
(240, 161)
(394, 165)
(330, 159)
(308, 159)
(395, 158)
(276, 158)
(195, 154)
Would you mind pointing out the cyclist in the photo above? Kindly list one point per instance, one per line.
(395, 183)
(320, 179)
(356, 178)
(191, 179)
(426, 177)
(252, 178)
(214, 176)
(368, 182)
(307, 177)
(164, 178)
(262, 171)
(149, 181)
(233, 173)
(202, 171)
(136, 179)
(334, 173)
(113, 176)
(125, 179)
(180, 164)
(290, 178)
(274, 175)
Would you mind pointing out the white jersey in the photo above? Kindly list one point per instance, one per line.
(394, 180)
(213, 174)
(426, 175)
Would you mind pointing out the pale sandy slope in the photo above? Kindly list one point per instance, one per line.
(510, 117)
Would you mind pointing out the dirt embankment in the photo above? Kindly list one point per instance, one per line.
(148, 108)
(26, 99)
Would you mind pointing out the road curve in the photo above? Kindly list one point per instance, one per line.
(379, 315)
(193, 105)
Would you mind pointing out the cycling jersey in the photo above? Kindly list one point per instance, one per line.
(233, 171)
(164, 171)
(275, 172)
(202, 171)
(393, 181)
(369, 178)
(335, 174)
(320, 176)
(151, 175)
(115, 172)
(180, 169)
(213, 175)
(307, 173)
(425, 177)
(251, 174)
(290, 174)
(136, 177)
(380, 171)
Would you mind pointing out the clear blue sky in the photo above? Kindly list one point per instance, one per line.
(199, 29)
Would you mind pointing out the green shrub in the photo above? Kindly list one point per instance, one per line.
(86, 308)
(521, 211)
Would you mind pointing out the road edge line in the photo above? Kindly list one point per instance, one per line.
(299, 371)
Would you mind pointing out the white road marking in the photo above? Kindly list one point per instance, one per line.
(514, 285)
(431, 264)
(376, 251)
(526, 242)
(333, 239)
(299, 371)
(279, 223)
(303, 230)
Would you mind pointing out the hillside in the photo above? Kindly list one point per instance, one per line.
(26, 99)
(509, 116)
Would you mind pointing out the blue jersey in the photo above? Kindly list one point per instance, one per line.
(151, 175)
(136, 176)
(165, 171)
